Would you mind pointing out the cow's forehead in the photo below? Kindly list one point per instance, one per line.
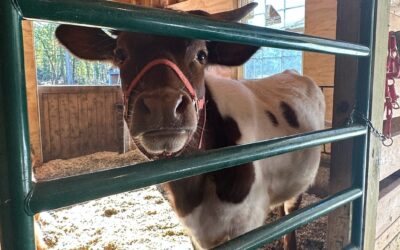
(140, 40)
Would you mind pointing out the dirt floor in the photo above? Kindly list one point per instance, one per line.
(140, 219)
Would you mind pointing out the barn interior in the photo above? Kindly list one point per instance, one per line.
(76, 127)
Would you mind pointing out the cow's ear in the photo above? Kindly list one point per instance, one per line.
(229, 54)
(232, 15)
(86, 43)
(235, 15)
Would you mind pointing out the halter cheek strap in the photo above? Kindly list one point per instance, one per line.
(199, 103)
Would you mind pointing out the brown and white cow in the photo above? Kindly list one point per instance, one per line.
(175, 106)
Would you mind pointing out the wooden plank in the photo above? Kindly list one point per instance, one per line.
(83, 123)
(54, 119)
(110, 140)
(379, 76)
(45, 126)
(92, 122)
(320, 20)
(389, 203)
(64, 119)
(394, 244)
(77, 89)
(394, 23)
(319, 67)
(101, 130)
(347, 29)
(390, 235)
(389, 159)
(117, 122)
(31, 92)
(209, 6)
(74, 125)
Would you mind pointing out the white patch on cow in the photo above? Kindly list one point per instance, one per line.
(277, 179)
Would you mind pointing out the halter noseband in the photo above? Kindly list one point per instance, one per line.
(199, 103)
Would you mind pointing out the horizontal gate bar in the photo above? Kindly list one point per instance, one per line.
(271, 231)
(68, 191)
(136, 18)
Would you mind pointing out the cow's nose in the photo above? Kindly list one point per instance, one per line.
(163, 105)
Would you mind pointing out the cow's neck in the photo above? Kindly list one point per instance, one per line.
(232, 185)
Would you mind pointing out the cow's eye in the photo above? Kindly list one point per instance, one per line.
(201, 57)
(120, 56)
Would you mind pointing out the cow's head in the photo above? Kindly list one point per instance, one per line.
(162, 77)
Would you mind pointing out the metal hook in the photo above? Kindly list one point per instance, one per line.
(387, 141)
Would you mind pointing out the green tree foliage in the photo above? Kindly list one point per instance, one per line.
(56, 66)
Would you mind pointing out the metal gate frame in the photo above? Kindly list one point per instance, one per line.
(20, 198)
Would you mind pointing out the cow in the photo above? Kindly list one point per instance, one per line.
(175, 106)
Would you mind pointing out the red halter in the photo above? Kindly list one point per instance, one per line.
(199, 103)
(392, 73)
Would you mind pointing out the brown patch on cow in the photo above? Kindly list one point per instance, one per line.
(185, 194)
(232, 184)
(273, 118)
(290, 115)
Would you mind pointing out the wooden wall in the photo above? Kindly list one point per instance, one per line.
(390, 161)
(79, 120)
(388, 212)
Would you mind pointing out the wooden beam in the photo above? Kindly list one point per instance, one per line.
(379, 76)
(347, 29)
(210, 6)
(31, 93)
(320, 20)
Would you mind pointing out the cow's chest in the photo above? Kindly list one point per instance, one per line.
(215, 221)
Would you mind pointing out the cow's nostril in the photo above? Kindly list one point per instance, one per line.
(183, 103)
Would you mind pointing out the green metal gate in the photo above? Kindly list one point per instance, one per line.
(20, 198)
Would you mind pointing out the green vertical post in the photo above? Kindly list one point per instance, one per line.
(16, 227)
(363, 107)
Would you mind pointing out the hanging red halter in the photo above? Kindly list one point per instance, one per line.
(392, 72)
(198, 103)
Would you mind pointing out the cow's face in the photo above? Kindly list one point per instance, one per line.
(162, 78)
